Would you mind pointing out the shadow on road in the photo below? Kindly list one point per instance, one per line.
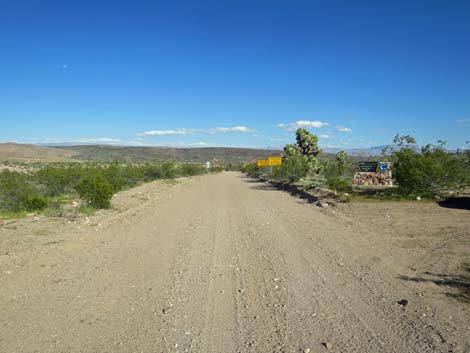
(459, 282)
(251, 181)
(292, 190)
(460, 203)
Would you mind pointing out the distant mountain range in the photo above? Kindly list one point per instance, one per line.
(217, 155)
(27, 152)
(359, 152)
(117, 150)
(369, 151)
(222, 155)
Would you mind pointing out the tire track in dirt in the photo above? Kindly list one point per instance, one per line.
(341, 295)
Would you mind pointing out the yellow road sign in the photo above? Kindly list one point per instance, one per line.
(263, 163)
(275, 161)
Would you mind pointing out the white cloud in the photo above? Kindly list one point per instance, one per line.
(343, 128)
(185, 131)
(278, 139)
(181, 144)
(314, 124)
(324, 136)
(198, 144)
(169, 132)
(229, 129)
(463, 120)
(84, 141)
(98, 140)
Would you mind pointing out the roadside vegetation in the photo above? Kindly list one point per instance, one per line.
(428, 172)
(51, 185)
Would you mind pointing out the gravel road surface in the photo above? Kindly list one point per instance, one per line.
(221, 264)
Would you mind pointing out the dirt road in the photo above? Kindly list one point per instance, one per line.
(220, 264)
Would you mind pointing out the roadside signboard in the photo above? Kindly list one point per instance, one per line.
(263, 163)
(273, 161)
(366, 166)
(383, 166)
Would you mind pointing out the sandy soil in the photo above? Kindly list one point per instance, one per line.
(18, 169)
(423, 236)
(224, 264)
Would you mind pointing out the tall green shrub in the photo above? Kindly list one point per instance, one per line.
(55, 180)
(251, 169)
(191, 170)
(301, 159)
(115, 176)
(427, 171)
(168, 170)
(17, 194)
(96, 191)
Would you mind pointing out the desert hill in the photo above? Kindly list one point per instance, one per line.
(27, 152)
(217, 155)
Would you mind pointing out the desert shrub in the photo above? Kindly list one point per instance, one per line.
(191, 170)
(115, 175)
(341, 166)
(151, 172)
(233, 167)
(134, 175)
(428, 171)
(293, 168)
(169, 170)
(56, 181)
(330, 169)
(17, 194)
(35, 202)
(252, 170)
(216, 169)
(301, 159)
(96, 191)
(338, 184)
(94, 182)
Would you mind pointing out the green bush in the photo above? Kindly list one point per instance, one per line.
(301, 159)
(151, 172)
(96, 191)
(428, 172)
(17, 194)
(94, 182)
(168, 170)
(191, 170)
(338, 184)
(56, 181)
(293, 168)
(115, 175)
(215, 169)
(252, 170)
(133, 175)
(342, 166)
(35, 202)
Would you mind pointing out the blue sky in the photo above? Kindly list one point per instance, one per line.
(234, 73)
